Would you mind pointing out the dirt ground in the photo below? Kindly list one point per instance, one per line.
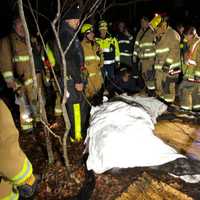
(55, 183)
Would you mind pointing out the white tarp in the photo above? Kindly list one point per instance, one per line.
(121, 135)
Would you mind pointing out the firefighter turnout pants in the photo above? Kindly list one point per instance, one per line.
(15, 168)
(189, 95)
(77, 109)
(94, 84)
(165, 86)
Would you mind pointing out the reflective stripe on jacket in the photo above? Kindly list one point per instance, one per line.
(110, 48)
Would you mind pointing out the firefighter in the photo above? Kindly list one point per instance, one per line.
(143, 29)
(16, 69)
(76, 104)
(190, 86)
(125, 40)
(111, 53)
(93, 57)
(16, 173)
(51, 62)
(146, 55)
(167, 60)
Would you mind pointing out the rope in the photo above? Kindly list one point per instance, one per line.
(114, 84)
(86, 99)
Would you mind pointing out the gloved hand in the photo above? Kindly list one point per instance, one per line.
(165, 68)
(28, 189)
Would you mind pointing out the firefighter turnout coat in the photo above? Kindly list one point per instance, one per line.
(93, 63)
(167, 64)
(190, 86)
(146, 55)
(15, 65)
(15, 168)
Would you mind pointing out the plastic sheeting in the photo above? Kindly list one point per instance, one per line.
(121, 135)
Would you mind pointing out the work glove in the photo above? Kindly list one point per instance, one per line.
(165, 68)
(27, 190)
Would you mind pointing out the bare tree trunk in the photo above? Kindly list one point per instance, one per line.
(54, 26)
(28, 43)
(64, 100)
(47, 137)
(35, 88)
(43, 44)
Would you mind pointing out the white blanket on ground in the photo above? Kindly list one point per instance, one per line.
(121, 136)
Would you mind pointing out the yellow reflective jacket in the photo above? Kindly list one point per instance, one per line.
(110, 48)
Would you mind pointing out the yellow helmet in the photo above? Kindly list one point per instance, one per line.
(103, 25)
(155, 22)
(86, 28)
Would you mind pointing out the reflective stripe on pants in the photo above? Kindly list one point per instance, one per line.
(165, 87)
(77, 121)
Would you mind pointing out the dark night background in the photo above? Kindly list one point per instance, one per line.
(183, 11)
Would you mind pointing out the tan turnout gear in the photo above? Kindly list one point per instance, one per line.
(93, 64)
(190, 86)
(15, 66)
(146, 54)
(137, 42)
(167, 64)
(15, 168)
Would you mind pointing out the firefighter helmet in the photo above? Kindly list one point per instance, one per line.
(103, 25)
(155, 22)
(86, 28)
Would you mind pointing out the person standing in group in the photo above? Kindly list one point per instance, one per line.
(93, 57)
(111, 53)
(76, 104)
(15, 67)
(125, 40)
(167, 61)
(189, 88)
(144, 55)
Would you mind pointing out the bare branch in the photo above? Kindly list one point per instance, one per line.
(28, 42)
(43, 117)
(64, 100)
(115, 4)
(37, 12)
(44, 46)
(56, 136)
(90, 13)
